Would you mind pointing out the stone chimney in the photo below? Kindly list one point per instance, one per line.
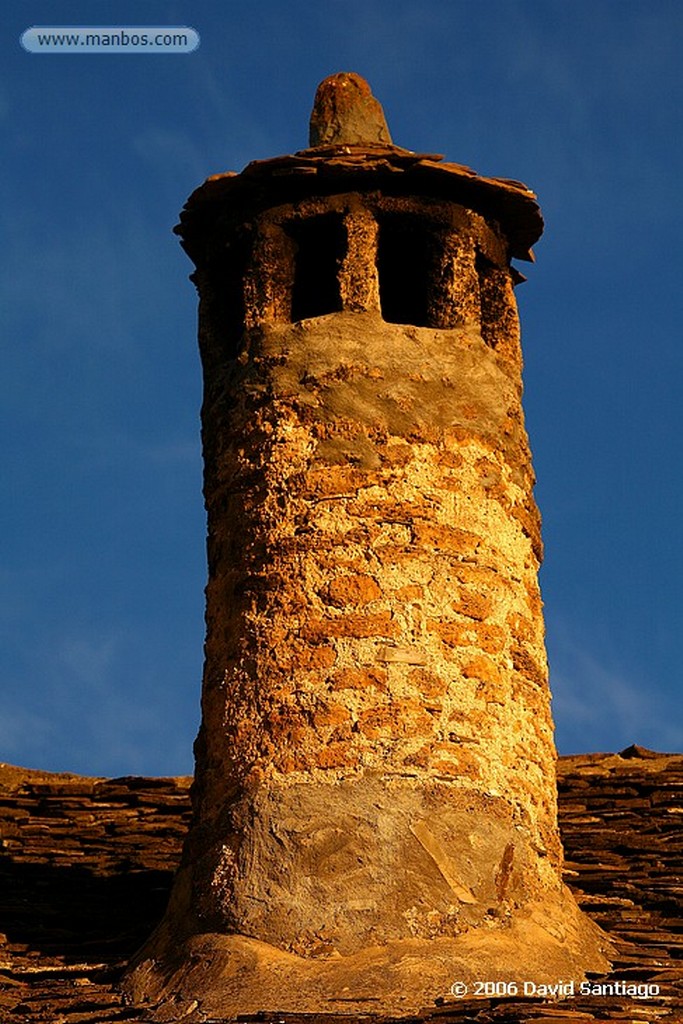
(374, 803)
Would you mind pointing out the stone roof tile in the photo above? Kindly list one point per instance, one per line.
(357, 167)
(87, 864)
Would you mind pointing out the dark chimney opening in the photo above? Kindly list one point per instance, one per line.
(406, 257)
(319, 248)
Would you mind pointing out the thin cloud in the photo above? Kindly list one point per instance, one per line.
(173, 156)
(17, 725)
(598, 705)
(85, 659)
(174, 453)
(87, 717)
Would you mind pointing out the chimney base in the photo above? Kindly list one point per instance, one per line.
(374, 895)
(225, 975)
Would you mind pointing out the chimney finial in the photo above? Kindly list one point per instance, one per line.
(346, 113)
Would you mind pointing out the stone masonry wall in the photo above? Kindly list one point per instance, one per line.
(373, 608)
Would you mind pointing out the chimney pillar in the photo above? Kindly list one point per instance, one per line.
(374, 804)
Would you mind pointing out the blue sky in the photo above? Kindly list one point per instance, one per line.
(102, 539)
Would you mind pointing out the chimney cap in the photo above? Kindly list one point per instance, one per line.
(345, 113)
(351, 150)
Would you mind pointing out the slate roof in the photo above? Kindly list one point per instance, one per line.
(86, 865)
(366, 167)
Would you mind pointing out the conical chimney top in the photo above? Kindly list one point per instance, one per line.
(345, 113)
(351, 150)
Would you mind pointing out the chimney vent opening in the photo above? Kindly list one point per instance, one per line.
(319, 248)
(407, 252)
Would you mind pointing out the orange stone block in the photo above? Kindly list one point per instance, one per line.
(482, 668)
(336, 755)
(527, 665)
(486, 636)
(353, 626)
(523, 628)
(449, 460)
(331, 716)
(465, 766)
(473, 605)
(400, 718)
(444, 538)
(429, 684)
(305, 657)
(333, 480)
(353, 590)
(481, 576)
(397, 454)
(359, 679)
